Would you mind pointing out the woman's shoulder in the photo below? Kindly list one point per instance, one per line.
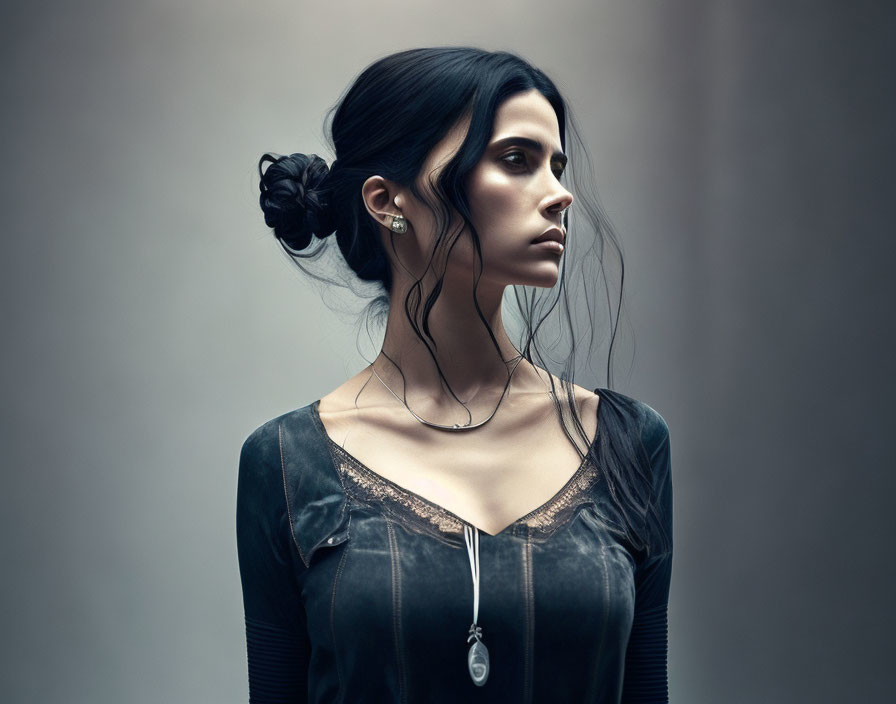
(636, 416)
(285, 474)
(267, 440)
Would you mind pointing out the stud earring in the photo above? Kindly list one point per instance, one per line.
(399, 224)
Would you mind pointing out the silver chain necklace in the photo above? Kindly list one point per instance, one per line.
(456, 426)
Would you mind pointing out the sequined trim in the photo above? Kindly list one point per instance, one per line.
(367, 486)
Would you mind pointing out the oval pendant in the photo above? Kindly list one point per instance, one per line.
(477, 661)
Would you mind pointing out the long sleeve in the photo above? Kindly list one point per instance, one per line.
(276, 638)
(646, 677)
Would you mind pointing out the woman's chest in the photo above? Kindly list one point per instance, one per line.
(486, 480)
(487, 487)
(548, 603)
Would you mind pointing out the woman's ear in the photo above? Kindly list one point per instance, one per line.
(381, 198)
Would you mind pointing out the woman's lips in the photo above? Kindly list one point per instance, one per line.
(550, 245)
(553, 233)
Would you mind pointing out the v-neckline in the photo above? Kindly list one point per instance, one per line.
(315, 413)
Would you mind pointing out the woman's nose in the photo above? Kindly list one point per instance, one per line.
(559, 200)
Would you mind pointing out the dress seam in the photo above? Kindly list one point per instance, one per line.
(396, 610)
(339, 675)
(592, 694)
(286, 493)
(530, 617)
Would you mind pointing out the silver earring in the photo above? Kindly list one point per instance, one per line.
(399, 224)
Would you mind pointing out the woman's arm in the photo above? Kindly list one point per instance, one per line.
(277, 645)
(646, 678)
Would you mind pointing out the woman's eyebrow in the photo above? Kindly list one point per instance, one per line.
(533, 144)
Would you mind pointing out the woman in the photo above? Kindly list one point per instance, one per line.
(431, 530)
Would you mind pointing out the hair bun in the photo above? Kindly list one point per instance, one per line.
(294, 199)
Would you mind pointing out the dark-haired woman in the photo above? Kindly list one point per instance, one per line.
(454, 523)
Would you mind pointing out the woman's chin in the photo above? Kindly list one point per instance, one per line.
(544, 275)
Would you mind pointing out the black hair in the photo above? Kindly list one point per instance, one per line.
(387, 122)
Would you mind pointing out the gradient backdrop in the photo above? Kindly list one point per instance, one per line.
(744, 151)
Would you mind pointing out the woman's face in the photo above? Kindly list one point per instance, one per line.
(514, 194)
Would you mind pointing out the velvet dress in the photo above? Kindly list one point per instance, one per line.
(357, 590)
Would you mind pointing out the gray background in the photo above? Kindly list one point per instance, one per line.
(743, 149)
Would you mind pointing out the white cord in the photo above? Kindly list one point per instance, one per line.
(477, 657)
(471, 535)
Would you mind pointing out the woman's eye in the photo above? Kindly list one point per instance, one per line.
(519, 159)
(511, 155)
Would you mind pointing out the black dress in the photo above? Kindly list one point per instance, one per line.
(356, 590)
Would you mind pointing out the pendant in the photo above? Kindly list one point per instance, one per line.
(477, 659)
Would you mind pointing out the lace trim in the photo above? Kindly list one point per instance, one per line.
(366, 486)
(373, 487)
(575, 494)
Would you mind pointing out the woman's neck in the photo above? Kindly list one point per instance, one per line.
(474, 369)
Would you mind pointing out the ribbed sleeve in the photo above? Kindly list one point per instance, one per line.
(277, 645)
(278, 665)
(645, 662)
(646, 676)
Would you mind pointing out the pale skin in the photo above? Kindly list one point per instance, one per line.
(492, 475)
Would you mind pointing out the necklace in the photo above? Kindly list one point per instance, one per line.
(456, 426)
(477, 656)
